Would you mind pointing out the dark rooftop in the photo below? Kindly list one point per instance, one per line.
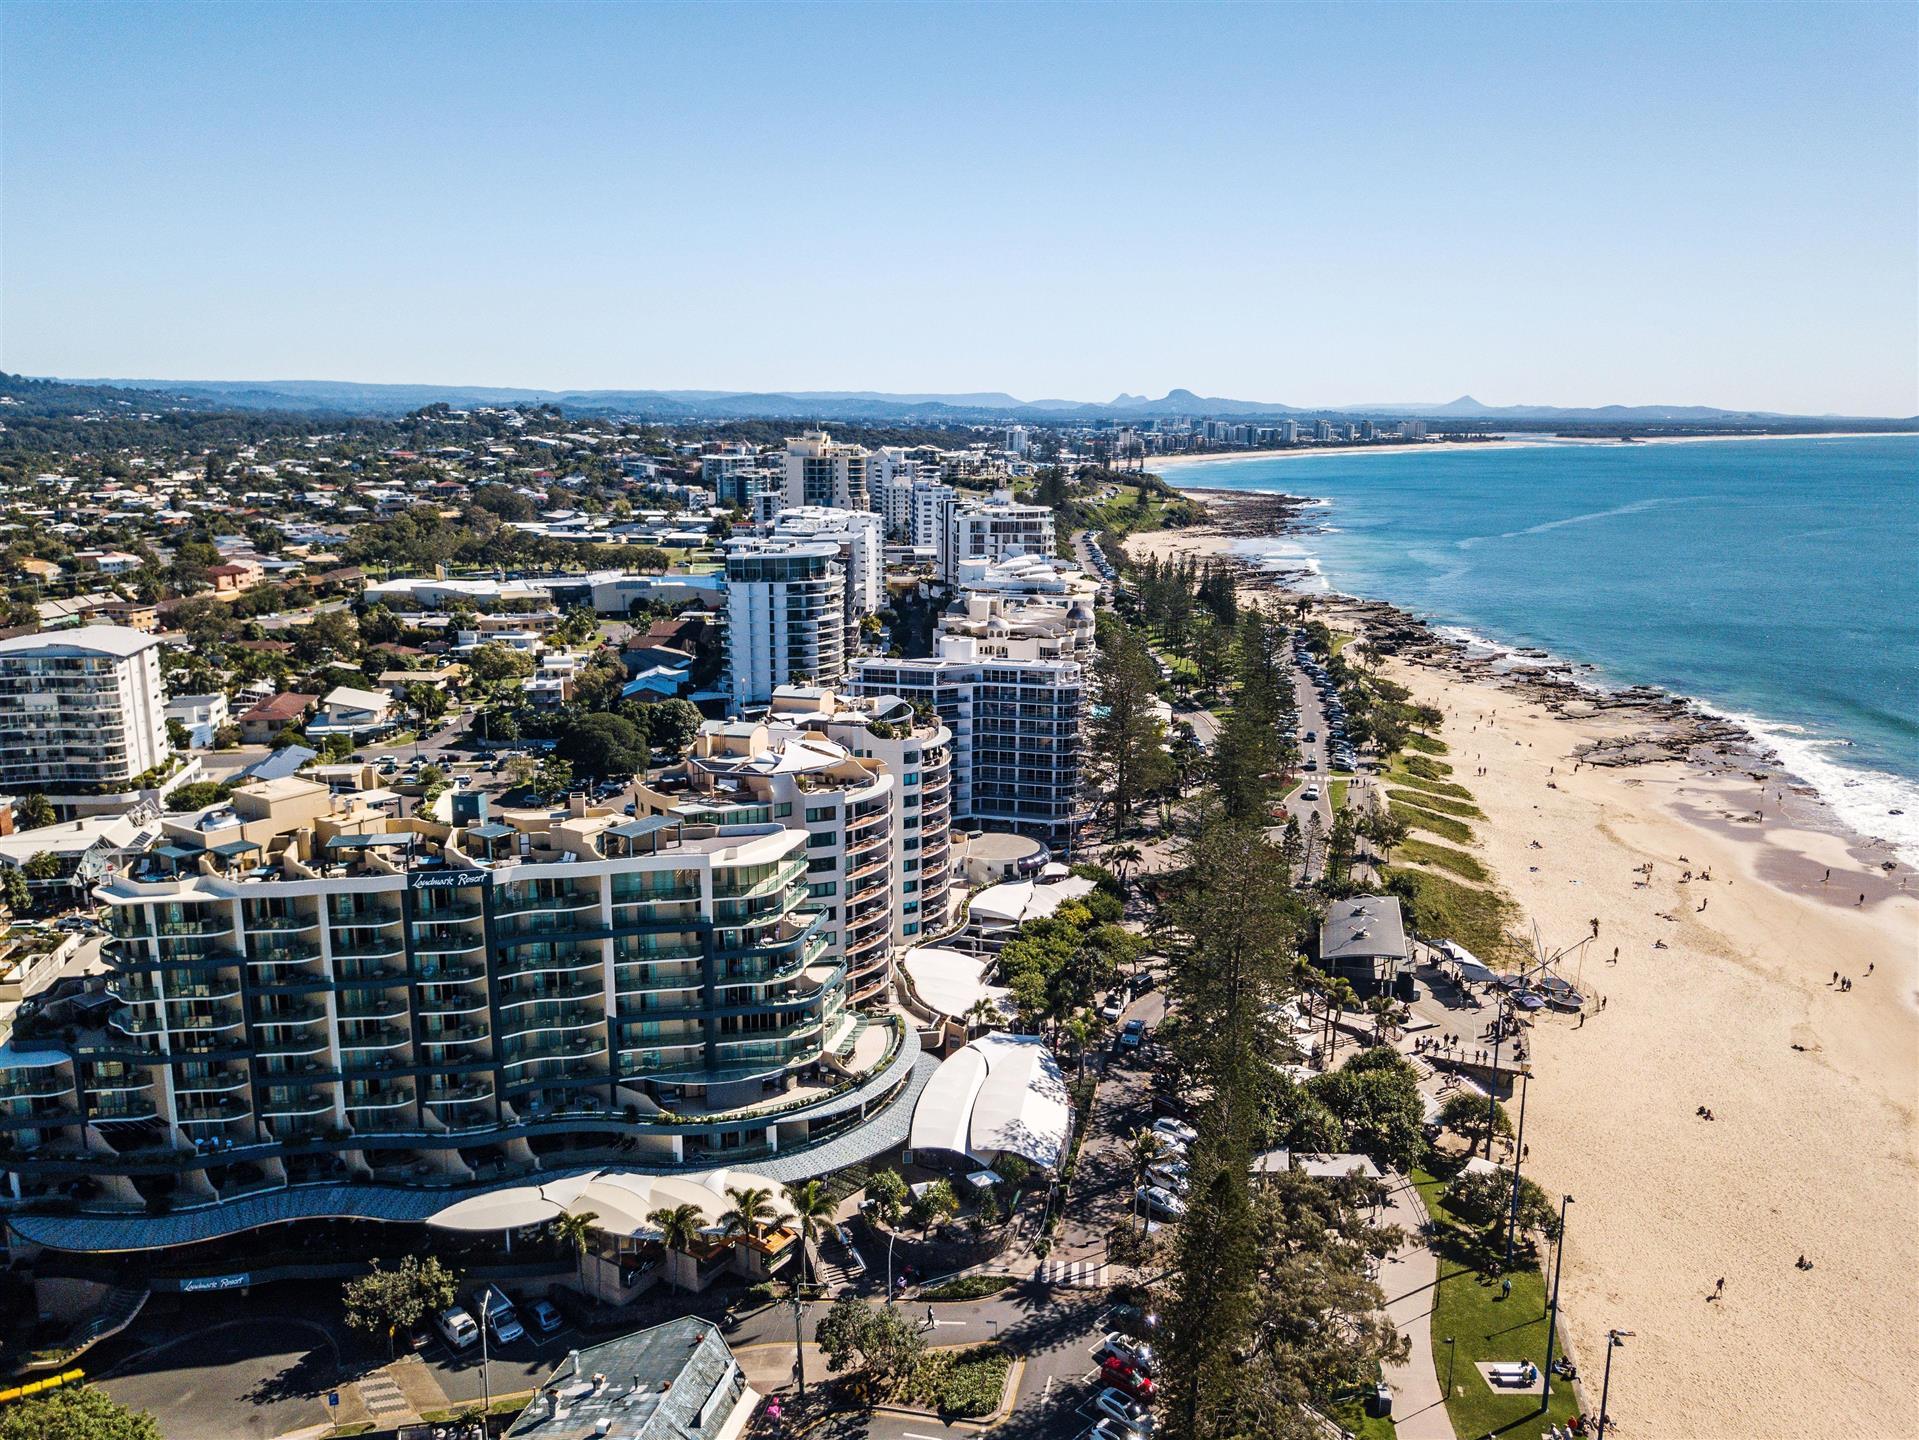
(676, 1380)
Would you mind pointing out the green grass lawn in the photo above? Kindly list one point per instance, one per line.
(1350, 1416)
(1477, 919)
(1443, 857)
(1444, 826)
(1337, 790)
(1398, 776)
(1425, 744)
(1443, 804)
(1468, 1307)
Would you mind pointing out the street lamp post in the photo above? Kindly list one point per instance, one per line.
(1614, 1339)
(799, 1346)
(1552, 1309)
(1452, 1354)
(486, 1366)
(1519, 1150)
(1492, 1080)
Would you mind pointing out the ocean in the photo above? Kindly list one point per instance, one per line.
(1775, 581)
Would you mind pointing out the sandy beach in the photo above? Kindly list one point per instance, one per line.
(1728, 1003)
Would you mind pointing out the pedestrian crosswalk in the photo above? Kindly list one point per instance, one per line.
(381, 1396)
(1072, 1274)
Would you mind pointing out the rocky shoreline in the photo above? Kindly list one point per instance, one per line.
(1665, 726)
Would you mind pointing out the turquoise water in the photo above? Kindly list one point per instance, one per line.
(1775, 580)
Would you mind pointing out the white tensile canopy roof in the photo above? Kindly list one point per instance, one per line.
(949, 981)
(1002, 1093)
(618, 1200)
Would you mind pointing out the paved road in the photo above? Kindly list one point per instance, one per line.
(248, 1378)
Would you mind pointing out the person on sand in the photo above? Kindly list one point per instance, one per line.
(1828, 879)
(1719, 1289)
(1860, 901)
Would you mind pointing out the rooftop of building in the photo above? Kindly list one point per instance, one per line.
(119, 641)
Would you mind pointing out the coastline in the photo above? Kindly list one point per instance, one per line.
(1505, 441)
(1815, 1148)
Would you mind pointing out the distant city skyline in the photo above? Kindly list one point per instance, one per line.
(1315, 206)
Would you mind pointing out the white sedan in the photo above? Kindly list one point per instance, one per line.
(1172, 1129)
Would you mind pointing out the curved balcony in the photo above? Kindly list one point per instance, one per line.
(291, 979)
(782, 875)
(459, 972)
(574, 1018)
(360, 974)
(529, 904)
(259, 924)
(363, 1035)
(209, 1084)
(449, 945)
(656, 986)
(207, 925)
(457, 1094)
(387, 1098)
(524, 965)
(448, 913)
(454, 1034)
(458, 1003)
(45, 1084)
(304, 1014)
(348, 917)
(214, 1113)
(122, 1110)
(296, 1106)
(576, 1048)
(556, 993)
(131, 1022)
(294, 1044)
(294, 954)
(366, 1006)
(224, 1019)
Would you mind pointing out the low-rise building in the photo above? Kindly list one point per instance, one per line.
(266, 719)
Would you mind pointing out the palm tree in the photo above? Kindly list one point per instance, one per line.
(1340, 997)
(752, 1208)
(679, 1227)
(1080, 1029)
(1144, 1148)
(980, 1015)
(1124, 857)
(576, 1233)
(812, 1215)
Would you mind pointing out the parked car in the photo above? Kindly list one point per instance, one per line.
(1125, 1379)
(456, 1327)
(545, 1316)
(1158, 1200)
(1110, 1008)
(1107, 1428)
(1121, 1346)
(1186, 1134)
(1133, 1036)
(501, 1318)
(1168, 1180)
(1310, 793)
(1116, 1404)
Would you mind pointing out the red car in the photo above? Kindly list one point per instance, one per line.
(1115, 1371)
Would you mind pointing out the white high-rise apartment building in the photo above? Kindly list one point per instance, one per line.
(820, 471)
(1017, 724)
(931, 504)
(992, 530)
(80, 709)
(861, 541)
(370, 1011)
(1018, 439)
(785, 616)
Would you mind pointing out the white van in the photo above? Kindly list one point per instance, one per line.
(456, 1327)
(501, 1318)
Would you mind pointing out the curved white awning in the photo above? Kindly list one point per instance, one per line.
(498, 1210)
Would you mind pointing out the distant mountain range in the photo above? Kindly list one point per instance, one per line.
(982, 407)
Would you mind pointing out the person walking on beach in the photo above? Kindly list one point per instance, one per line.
(1860, 901)
(1719, 1290)
(1828, 879)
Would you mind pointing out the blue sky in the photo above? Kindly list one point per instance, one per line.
(1541, 204)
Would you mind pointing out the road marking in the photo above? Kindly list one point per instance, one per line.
(915, 1435)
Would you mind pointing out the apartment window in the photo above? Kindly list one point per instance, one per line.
(819, 838)
(912, 842)
(816, 813)
(911, 927)
(911, 822)
(911, 886)
(911, 907)
(824, 887)
(783, 810)
(914, 778)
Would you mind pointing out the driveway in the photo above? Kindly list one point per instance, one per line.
(245, 1378)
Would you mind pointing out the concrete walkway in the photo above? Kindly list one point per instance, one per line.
(1409, 1276)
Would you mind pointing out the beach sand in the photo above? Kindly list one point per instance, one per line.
(1814, 1150)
